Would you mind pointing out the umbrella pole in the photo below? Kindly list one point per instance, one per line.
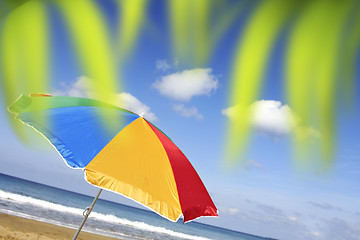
(86, 214)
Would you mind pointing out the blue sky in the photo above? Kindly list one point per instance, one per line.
(268, 195)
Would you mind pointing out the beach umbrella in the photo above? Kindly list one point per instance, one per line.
(119, 151)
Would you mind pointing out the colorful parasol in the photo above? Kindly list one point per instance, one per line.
(127, 155)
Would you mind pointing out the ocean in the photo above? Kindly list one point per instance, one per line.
(44, 203)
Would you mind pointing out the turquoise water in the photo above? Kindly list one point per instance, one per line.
(48, 204)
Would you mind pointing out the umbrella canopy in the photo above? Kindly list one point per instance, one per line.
(119, 151)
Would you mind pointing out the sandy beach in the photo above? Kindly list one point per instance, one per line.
(16, 228)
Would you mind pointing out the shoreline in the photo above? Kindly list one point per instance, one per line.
(18, 228)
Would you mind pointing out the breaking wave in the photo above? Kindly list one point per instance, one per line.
(21, 200)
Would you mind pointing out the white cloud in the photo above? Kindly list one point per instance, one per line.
(253, 164)
(316, 234)
(182, 86)
(272, 117)
(229, 112)
(341, 229)
(187, 112)
(230, 211)
(264, 219)
(162, 65)
(81, 88)
(128, 101)
(325, 206)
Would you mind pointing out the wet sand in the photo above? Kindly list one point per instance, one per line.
(16, 228)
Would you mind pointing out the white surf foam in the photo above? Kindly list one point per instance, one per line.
(17, 198)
